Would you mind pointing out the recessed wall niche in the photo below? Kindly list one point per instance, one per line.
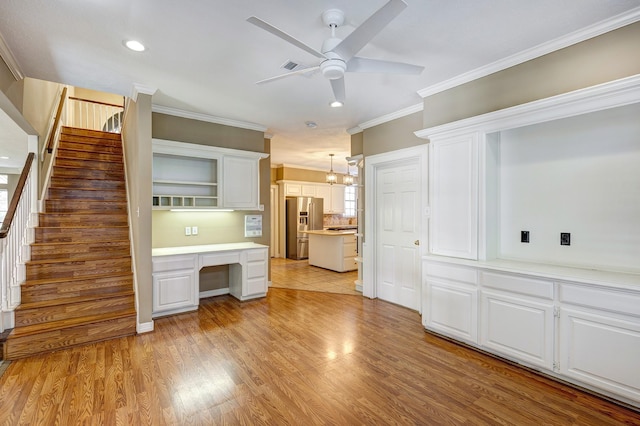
(579, 175)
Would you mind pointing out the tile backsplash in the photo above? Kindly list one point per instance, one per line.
(337, 220)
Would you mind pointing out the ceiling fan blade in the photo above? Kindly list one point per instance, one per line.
(355, 41)
(338, 89)
(286, 37)
(290, 73)
(357, 64)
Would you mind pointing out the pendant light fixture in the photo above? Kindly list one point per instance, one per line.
(331, 176)
(347, 179)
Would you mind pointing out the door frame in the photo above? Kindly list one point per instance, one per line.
(372, 164)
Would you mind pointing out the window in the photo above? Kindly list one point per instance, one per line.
(349, 201)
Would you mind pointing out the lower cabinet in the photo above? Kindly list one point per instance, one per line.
(581, 332)
(176, 279)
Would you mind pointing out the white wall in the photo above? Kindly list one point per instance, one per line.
(579, 175)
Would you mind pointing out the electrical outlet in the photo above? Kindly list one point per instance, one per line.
(524, 236)
(187, 230)
(565, 239)
(194, 230)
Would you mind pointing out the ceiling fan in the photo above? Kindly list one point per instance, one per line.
(338, 56)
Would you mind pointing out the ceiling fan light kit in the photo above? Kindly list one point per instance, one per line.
(337, 56)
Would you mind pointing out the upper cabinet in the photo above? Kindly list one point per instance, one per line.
(191, 176)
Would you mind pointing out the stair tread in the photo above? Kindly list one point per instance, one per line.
(73, 279)
(75, 260)
(72, 300)
(67, 243)
(28, 330)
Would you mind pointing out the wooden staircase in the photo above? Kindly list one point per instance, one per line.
(79, 284)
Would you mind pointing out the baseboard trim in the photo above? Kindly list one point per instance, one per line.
(212, 293)
(144, 327)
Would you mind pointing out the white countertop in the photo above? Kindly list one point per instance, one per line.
(332, 233)
(556, 272)
(206, 248)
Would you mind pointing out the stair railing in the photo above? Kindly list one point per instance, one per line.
(15, 238)
(95, 115)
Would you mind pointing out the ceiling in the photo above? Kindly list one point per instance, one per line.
(204, 57)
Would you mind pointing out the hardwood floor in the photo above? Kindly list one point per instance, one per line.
(295, 357)
(297, 274)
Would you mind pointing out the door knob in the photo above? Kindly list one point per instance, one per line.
(416, 242)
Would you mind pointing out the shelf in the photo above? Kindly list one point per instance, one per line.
(189, 183)
(170, 201)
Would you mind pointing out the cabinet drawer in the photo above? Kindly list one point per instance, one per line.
(256, 269)
(172, 263)
(625, 302)
(349, 264)
(349, 250)
(256, 286)
(452, 272)
(214, 259)
(256, 255)
(516, 284)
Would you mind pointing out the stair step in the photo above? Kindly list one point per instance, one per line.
(29, 314)
(73, 268)
(83, 155)
(79, 173)
(85, 206)
(68, 182)
(89, 134)
(41, 338)
(87, 194)
(78, 234)
(88, 141)
(79, 144)
(85, 219)
(62, 288)
(81, 250)
(89, 164)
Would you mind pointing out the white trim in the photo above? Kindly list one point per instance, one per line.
(208, 118)
(164, 146)
(392, 116)
(141, 89)
(212, 293)
(269, 136)
(144, 327)
(613, 94)
(372, 162)
(10, 60)
(295, 166)
(354, 130)
(575, 37)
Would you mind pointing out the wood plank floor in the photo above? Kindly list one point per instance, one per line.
(299, 275)
(295, 357)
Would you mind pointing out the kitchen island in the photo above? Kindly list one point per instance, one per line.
(334, 250)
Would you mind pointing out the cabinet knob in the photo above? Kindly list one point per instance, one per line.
(416, 242)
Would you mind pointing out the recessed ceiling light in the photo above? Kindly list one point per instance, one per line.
(336, 104)
(311, 124)
(134, 45)
(4, 157)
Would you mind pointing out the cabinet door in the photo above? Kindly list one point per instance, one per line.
(324, 192)
(337, 199)
(451, 309)
(240, 182)
(255, 274)
(518, 327)
(601, 349)
(174, 291)
(454, 197)
(308, 190)
(292, 189)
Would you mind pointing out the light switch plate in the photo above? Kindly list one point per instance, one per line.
(187, 230)
(194, 230)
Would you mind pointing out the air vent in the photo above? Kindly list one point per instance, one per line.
(289, 65)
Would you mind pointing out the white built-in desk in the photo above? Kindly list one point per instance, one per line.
(176, 270)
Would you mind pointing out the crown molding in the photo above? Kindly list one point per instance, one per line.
(268, 135)
(10, 60)
(206, 117)
(624, 91)
(392, 116)
(575, 37)
(141, 89)
(354, 130)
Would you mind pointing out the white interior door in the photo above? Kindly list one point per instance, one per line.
(397, 271)
(275, 229)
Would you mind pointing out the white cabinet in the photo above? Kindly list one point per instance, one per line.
(200, 176)
(241, 182)
(293, 190)
(453, 167)
(333, 196)
(450, 301)
(333, 251)
(174, 284)
(250, 280)
(600, 338)
(517, 317)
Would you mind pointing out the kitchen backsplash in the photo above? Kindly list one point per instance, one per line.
(337, 220)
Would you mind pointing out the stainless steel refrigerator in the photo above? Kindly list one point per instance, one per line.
(303, 214)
